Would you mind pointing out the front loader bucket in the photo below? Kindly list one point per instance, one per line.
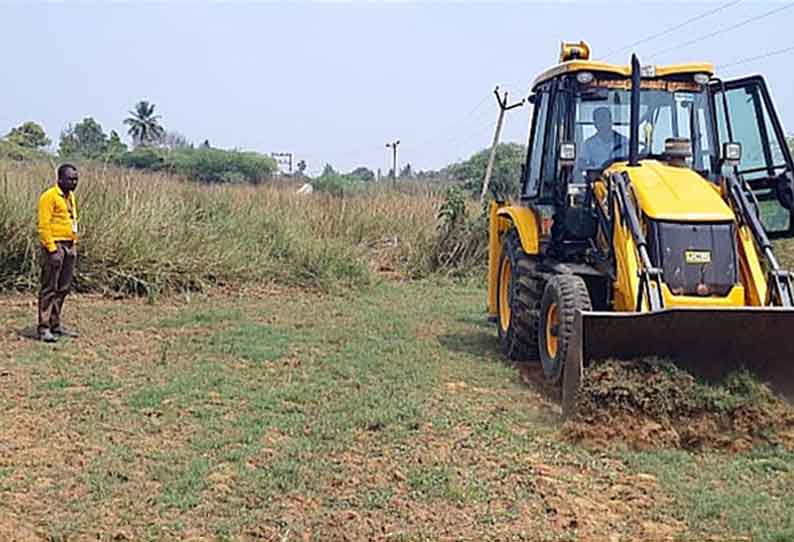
(708, 343)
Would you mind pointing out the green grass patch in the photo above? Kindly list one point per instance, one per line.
(204, 317)
(746, 494)
(183, 484)
(252, 342)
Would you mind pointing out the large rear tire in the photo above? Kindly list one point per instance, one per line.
(517, 301)
(562, 297)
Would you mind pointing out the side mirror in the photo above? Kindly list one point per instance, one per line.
(567, 154)
(498, 195)
(531, 98)
(731, 153)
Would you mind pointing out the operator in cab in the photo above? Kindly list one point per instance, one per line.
(606, 144)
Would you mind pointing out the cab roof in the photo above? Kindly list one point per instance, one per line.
(578, 65)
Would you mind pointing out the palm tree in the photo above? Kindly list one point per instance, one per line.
(144, 124)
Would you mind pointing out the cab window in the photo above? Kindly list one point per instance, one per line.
(537, 139)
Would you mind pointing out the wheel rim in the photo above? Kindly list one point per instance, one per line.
(552, 323)
(505, 275)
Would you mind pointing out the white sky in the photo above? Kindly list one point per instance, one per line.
(335, 82)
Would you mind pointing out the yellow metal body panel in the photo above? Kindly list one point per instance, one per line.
(579, 65)
(735, 298)
(678, 194)
(501, 218)
(751, 271)
(667, 199)
(526, 222)
(627, 281)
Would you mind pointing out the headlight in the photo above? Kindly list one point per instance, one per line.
(584, 78)
(701, 78)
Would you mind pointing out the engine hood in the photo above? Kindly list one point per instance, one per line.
(676, 194)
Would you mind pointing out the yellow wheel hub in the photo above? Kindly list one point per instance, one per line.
(552, 330)
(505, 275)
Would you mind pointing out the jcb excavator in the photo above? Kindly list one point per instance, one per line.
(649, 200)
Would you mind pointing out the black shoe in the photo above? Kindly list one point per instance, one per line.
(65, 332)
(47, 336)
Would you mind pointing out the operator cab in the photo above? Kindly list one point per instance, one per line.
(581, 125)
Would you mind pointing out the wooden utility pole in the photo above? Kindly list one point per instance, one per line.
(502, 108)
(394, 151)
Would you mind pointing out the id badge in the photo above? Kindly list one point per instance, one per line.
(74, 227)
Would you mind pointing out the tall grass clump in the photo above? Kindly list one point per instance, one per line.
(144, 232)
(462, 242)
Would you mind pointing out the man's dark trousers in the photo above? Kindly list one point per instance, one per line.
(56, 279)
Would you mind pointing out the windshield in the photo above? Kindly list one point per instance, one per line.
(601, 127)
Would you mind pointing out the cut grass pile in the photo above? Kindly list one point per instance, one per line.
(650, 404)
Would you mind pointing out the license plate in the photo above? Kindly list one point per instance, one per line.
(697, 256)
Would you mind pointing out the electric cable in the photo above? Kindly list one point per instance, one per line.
(672, 28)
(722, 30)
(755, 58)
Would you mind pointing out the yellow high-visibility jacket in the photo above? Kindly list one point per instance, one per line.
(57, 218)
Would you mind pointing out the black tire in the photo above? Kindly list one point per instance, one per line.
(564, 294)
(520, 289)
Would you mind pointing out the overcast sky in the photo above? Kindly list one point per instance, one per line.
(335, 82)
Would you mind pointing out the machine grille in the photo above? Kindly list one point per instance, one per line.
(697, 259)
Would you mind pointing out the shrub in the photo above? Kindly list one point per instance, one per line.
(337, 185)
(147, 158)
(506, 175)
(203, 164)
(11, 150)
(220, 166)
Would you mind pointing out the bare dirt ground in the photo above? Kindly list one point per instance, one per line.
(284, 415)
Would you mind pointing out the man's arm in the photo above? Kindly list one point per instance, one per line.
(45, 221)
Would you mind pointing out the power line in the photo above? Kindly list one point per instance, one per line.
(672, 28)
(722, 30)
(454, 124)
(754, 58)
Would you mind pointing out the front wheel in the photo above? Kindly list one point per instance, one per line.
(563, 296)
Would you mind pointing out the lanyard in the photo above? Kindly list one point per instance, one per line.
(69, 208)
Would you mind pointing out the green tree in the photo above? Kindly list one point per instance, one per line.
(174, 141)
(29, 135)
(144, 125)
(406, 172)
(506, 176)
(328, 170)
(115, 146)
(85, 140)
(363, 173)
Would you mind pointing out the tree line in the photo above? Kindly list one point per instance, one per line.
(153, 148)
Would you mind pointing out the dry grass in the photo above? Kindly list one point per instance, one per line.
(143, 233)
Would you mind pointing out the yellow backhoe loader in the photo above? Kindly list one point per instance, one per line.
(649, 200)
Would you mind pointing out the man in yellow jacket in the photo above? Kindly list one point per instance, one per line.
(57, 225)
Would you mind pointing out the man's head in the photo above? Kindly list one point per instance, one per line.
(602, 118)
(67, 177)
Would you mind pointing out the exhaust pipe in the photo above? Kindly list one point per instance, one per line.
(634, 122)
